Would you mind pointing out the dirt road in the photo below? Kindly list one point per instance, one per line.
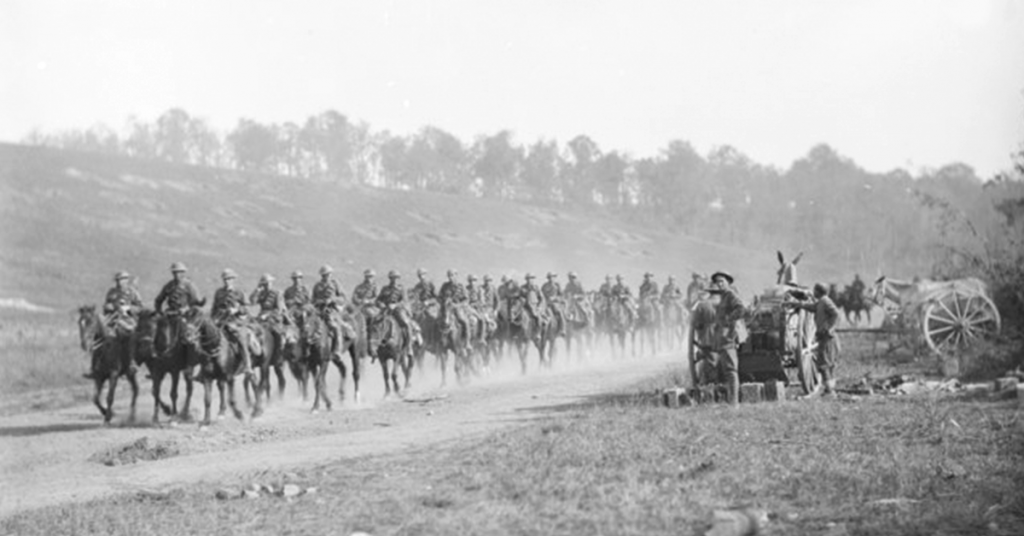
(49, 458)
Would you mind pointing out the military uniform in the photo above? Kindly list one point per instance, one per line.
(649, 289)
(268, 299)
(534, 299)
(424, 291)
(452, 291)
(728, 318)
(573, 288)
(392, 298)
(671, 293)
(229, 306)
(121, 297)
(296, 296)
(365, 293)
(551, 290)
(826, 316)
(606, 289)
(489, 296)
(327, 293)
(178, 295)
(621, 291)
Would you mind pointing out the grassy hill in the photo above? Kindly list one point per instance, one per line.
(69, 220)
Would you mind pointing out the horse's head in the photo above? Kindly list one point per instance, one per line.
(878, 291)
(90, 327)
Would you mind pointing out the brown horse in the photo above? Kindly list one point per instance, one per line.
(319, 347)
(579, 325)
(152, 347)
(392, 346)
(108, 347)
(525, 328)
(205, 339)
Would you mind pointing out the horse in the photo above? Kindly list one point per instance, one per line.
(482, 336)
(320, 348)
(210, 343)
(579, 325)
(525, 328)
(621, 322)
(455, 337)
(786, 275)
(674, 321)
(152, 346)
(108, 347)
(277, 339)
(855, 302)
(648, 323)
(392, 346)
(426, 315)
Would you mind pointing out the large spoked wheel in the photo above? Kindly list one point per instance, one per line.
(952, 323)
(810, 378)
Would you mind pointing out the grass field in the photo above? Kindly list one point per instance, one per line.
(617, 464)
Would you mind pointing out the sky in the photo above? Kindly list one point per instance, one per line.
(888, 83)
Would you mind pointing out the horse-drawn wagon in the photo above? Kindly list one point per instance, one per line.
(779, 347)
(946, 316)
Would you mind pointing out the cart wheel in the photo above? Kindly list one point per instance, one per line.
(954, 322)
(810, 378)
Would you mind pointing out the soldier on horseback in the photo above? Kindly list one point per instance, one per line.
(533, 299)
(179, 294)
(229, 311)
(694, 290)
(365, 293)
(621, 292)
(671, 293)
(327, 296)
(424, 290)
(453, 299)
(297, 295)
(552, 292)
(271, 306)
(121, 306)
(488, 295)
(649, 288)
(391, 298)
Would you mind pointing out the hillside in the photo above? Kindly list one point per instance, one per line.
(69, 220)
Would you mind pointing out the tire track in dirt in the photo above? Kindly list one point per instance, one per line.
(46, 455)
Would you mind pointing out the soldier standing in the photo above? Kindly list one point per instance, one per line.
(826, 316)
(730, 332)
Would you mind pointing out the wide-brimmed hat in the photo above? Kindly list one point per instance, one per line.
(722, 274)
(618, 277)
(228, 273)
(178, 267)
(452, 272)
(421, 271)
(266, 278)
(648, 274)
(552, 275)
(572, 275)
(470, 277)
(296, 274)
(528, 276)
(393, 274)
(121, 275)
(326, 269)
(369, 272)
(487, 277)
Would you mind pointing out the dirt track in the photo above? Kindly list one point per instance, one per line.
(45, 456)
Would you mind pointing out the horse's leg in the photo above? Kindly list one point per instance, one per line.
(387, 376)
(442, 359)
(96, 398)
(221, 388)
(342, 374)
(111, 387)
(207, 400)
(134, 384)
(316, 388)
(357, 374)
(279, 371)
(186, 408)
(158, 404)
(233, 399)
(175, 376)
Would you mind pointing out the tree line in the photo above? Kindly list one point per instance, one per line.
(824, 203)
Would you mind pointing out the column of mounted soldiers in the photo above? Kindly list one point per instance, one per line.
(477, 298)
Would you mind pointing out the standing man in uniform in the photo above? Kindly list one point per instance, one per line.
(179, 294)
(731, 332)
(826, 316)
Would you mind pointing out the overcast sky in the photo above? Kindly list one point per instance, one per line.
(889, 83)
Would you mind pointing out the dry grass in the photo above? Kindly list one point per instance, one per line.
(617, 464)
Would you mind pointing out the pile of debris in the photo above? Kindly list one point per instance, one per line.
(905, 384)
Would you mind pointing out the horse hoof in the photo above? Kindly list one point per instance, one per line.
(239, 415)
(258, 412)
(314, 411)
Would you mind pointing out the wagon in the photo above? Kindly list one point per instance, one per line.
(946, 316)
(780, 345)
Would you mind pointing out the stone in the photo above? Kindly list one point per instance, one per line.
(311, 491)
(745, 522)
(751, 393)
(250, 494)
(774, 391)
(670, 397)
(290, 490)
(226, 493)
